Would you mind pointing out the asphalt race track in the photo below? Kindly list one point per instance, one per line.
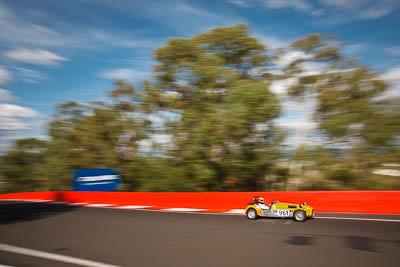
(154, 238)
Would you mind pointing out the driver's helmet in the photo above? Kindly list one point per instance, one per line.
(261, 200)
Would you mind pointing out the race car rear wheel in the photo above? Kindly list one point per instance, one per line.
(252, 214)
(299, 216)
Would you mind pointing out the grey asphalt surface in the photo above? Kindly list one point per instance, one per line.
(151, 238)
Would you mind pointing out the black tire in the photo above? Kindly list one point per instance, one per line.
(300, 216)
(251, 214)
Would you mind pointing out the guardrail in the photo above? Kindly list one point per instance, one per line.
(372, 202)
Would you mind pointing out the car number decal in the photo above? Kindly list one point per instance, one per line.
(285, 213)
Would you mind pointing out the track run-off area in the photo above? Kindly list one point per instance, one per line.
(48, 234)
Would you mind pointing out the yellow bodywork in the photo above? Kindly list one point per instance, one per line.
(259, 213)
(283, 206)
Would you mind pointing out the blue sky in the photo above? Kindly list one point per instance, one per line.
(55, 51)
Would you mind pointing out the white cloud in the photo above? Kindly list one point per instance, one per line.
(292, 56)
(341, 11)
(5, 96)
(11, 110)
(183, 7)
(297, 116)
(392, 74)
(162, 138)
(300, 124)
(394, 50)
(28, 75)
(344, 3)
(280, 87)
(393, 77)
(299, 131)
(308, 66)
(318, 12)
(338, 11)
(17, 30)
(184, 17)
(124, 74)
(271, 41)
(121, 39)
(373, 13)
(12, 117)
(195, 17)
(240, 3)
(298, 119)
(312, 68)
(302, 5)
(5, 76)
(12, 124)
(34, 56)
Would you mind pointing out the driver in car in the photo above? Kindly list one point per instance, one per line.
(262, 204)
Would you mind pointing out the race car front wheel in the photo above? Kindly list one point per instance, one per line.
(252, 214)
(299, 216)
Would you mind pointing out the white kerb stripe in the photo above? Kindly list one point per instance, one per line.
(235, 211)
(184, 209)
(51, 256)
(358, 219)
(133, 207)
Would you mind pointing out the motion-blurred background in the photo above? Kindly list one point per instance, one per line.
(186, 95)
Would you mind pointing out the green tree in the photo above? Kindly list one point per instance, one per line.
(349, 109)
(94, 135)
(22, 167)
(351, 113)
(209, 94)
(224, 130)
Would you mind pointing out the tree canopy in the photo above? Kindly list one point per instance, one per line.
(210, 98)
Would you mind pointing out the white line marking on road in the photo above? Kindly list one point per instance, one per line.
(183, 209)
(358, 219)
(235, 211)
(188, 212)
(240, 214)
(52, 256)
(133, 207)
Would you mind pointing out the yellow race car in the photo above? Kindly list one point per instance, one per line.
(258, 208)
